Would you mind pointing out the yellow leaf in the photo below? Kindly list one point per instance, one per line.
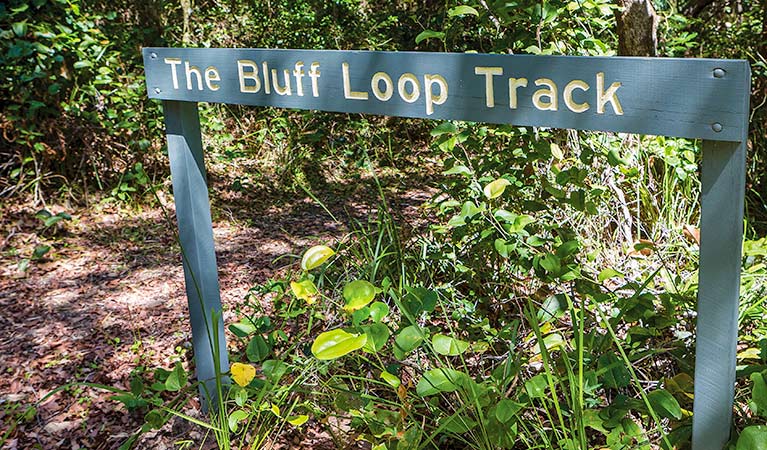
(297, 421)
(242, 374)
(750, 353)
(304, 290)
(315, 256)
(275, 409)
(495, 188)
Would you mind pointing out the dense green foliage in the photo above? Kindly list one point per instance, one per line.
(74, 114)
(548, 304)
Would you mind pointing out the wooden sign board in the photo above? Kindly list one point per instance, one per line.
(692, 98)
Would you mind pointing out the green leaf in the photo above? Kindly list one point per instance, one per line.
(240, 395)
(336, 343)
(614, 158)
(753, 438)
(154, 419)
(440, 380)
(665, 404)
(177, 379)
(552, 342)
(536, 386)
(297, 421)
(506, 409)
(377, 335)
(503, 247)
(457, 424)
(378, 310)
(390, 379)
(53, 220)
(19, 28)
(429, 34)
(274, 369)
(458, 169)
(495, 188)
(758, 403)
(447, 345)
(608, 273)
(551, 263)
(358, 294)
(444, 128)
(591, 419)
(82, 64)
(409, 338)
(258, 349)
(613, 371)
(315, 256)
(40, 251)
(462, 11)
(131, 401)
(243, 328)
(235, 418)
(520, 222)
(551, 309)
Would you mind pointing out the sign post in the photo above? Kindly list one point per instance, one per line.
(692, 98)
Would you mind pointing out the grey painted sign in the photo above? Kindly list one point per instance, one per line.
(694, 98)
(674, 97)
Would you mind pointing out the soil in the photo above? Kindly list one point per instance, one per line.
(108, 300)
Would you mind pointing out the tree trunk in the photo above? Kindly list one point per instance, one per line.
(637, 28)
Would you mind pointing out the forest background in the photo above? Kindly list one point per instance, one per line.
(497, 286)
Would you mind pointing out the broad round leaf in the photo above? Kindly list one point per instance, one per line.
(258, 349)
(242, 374)
(448, 346)
(439, 380)
(506, 409)
(665, 404)
(495, 188)
(409, 338)
(753, 438)
(297, 421)
(337, 343)
(235, 418)
(378, 310)
(274, 369)
(243, 328)
(536, 386)
(358, 294)
(758, 403)
(315, 256)
(304, 290)
(377, 334)
(177, 379)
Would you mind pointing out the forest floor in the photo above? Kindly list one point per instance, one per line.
(108, 300)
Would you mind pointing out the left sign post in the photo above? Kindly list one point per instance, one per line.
(195, 229)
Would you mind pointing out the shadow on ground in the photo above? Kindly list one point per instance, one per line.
(110, 300)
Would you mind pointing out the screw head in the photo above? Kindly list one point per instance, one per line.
(716, 126)
(153, 55)
(719, 73)
(158, 90)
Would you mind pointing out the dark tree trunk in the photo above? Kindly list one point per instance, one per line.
(637, 28)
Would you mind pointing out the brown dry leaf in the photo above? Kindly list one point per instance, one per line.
(691, 233)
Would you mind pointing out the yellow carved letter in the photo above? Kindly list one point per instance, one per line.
(489, 72)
